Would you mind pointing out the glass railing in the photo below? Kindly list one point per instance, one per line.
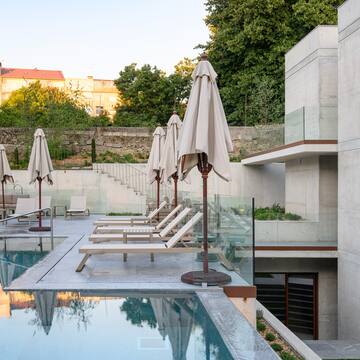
(300, 228)
(230, 234)
(311, 123)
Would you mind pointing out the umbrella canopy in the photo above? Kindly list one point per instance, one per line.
(157, 147)
(5, 171)
(169, 163)
(7, 272)
(40, 165)
(205, 129)
(158, 308)
(45, 301)
(178, 324)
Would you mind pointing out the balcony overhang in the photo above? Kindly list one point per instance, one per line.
(296, 150)
(297, 250)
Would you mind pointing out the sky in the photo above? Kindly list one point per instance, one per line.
(100, 37)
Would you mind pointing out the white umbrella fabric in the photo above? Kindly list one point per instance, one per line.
(153, 165)
(40, 167)
(158, 308)
(178, 325)
(45, 302)
(205, 142)
(169, 161)
(5, 172)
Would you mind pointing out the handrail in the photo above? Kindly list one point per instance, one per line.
(35, 212)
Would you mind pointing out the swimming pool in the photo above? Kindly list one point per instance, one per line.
(77, 325)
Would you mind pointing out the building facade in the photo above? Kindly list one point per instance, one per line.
(98, 96)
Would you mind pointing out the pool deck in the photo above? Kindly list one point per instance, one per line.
(108, 272)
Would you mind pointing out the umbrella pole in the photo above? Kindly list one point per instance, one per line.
(3, 193)
(213, 277)
(175, 178)
(40, 220)
(157, 192)
(205, 174)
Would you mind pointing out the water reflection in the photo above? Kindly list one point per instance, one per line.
(92, 325)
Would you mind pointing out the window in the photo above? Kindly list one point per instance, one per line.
(99, 110)
(292, 298)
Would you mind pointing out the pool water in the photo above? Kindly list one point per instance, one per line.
(87, 325)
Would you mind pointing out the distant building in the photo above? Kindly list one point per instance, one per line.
(99, 96)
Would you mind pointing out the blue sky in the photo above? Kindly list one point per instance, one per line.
(87, 37)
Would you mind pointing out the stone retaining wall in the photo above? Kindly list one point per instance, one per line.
(127, 140)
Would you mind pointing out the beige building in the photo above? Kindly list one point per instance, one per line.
(99, 96)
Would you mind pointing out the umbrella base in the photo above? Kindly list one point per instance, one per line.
(40, 229)
(212, 278)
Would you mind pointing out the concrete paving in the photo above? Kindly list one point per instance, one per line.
(108, 272)
(335, 349)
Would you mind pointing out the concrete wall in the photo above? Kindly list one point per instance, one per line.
(327, 277)
(349, 170)
(103, 193)
(265, 183)
(311, 83)
(302, 187)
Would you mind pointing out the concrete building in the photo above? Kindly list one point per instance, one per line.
(349, 170)
(99, 96)
(296, 261)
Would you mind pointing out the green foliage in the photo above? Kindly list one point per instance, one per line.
(57, 150)
(287, 356)
(260, 326)
(125, 213)
(47, 107)
(93, 151)
(248, 41)
(276, 347)
(139, 312)
(276, 212)
(149, 96)
(110, 157)
(270, 337)
(16, 156)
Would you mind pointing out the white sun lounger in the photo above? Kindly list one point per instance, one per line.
(165, 248)
(24, 206)
(129, 220)
(125, 228)
(77, 206)
(142, 234)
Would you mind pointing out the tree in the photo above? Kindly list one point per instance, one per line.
(93, 151)
(148, 96)
(39, 106)
(248, 42)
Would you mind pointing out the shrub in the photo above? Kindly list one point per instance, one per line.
(276, 347)
(93, 151)
(16, 157)
(276, 212)
(260, 326)
(270, 337)
(287, 356)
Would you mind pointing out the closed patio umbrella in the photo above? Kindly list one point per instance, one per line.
(153, 165)
(40, 168)
(5, 172)
(158, 308)
(178, 325)
(205, 142)
(169, 163)
(7, 272)
(45, 302)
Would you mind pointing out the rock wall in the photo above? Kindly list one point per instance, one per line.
(129, 140)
